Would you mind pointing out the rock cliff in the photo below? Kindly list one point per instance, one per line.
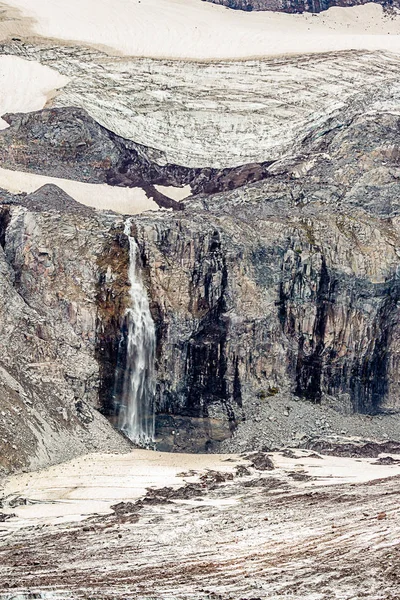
(48, 372)
(281, 289)
(279, 301)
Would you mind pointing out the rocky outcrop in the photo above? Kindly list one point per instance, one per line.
(68, 143)
(282, 289)
(301, 302)
(297, 6)
(49, 378)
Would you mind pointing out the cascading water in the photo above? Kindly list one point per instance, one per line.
(136, 403)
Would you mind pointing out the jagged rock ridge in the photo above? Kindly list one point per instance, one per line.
(297, 6)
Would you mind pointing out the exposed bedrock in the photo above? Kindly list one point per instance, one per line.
(297, 6)
(276, 300)
(68, 143)
(285, 288)
(49, 376)
(301, 302)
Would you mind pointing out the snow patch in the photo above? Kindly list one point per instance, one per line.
(26, 86)
(199, 30)
(176, 193)
(127, 201)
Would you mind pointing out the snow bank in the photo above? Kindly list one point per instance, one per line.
(195, 29)
(127, 201)
(90, 484)
(175, 193)
(25, 86)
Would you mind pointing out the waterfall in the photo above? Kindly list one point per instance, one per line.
(136, 405)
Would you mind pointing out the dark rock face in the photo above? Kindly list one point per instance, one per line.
(112, 301)
(320, 367)
(296, 6)
(273, 311)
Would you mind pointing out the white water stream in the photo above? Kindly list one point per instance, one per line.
(136, 412)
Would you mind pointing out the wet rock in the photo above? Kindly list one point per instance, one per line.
(186, 432)
(212, 479)
(126, 508)
(166, 494)
(209, 481)
(242, 471)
